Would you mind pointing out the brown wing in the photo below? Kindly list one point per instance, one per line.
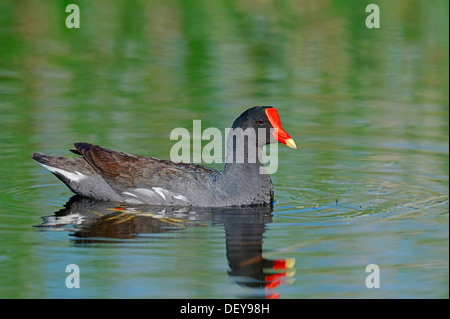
(123, 171)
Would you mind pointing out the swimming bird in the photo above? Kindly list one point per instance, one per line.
(104, 174)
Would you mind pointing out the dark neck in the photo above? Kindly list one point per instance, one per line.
(245, 174)
(242, 156)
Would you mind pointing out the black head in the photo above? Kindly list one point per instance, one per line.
(266, 118)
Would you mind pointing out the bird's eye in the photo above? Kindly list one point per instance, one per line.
(261, 121)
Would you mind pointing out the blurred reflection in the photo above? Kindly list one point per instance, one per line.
(96, 221)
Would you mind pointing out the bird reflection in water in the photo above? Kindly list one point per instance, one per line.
(93, 221)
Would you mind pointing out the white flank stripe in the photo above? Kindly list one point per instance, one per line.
(133, 201)
(144, 191)
(151, 192)
(128, 193)
(160, 190)
(180, 197)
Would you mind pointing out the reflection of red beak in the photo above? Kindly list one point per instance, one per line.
(279, 134)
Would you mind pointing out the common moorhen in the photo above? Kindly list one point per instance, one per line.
(116, 176)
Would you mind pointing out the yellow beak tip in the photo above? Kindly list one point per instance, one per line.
(290, 143)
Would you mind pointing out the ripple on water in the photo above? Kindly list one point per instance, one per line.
(341, 201)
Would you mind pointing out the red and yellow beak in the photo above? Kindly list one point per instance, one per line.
(279, 134)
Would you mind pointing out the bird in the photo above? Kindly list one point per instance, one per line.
(103, 174)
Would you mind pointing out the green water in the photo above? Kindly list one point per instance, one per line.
(367, 108)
